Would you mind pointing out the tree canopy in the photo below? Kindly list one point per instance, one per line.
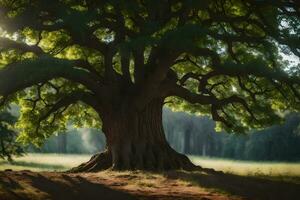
(62, 60)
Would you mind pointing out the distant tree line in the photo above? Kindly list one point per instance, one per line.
(195, 135)
(74, 141)
(190, 134)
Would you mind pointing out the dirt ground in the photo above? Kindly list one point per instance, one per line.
(108, 185)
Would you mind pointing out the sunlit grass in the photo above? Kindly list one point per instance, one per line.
(62, 162)
(249, 168)
(45, 162)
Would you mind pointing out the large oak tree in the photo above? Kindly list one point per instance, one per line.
(115, 63)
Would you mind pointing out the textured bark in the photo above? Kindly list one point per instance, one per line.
(136, 140)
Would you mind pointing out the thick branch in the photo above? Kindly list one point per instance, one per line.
(217, 104)
(67, 100)
(73, 98)
(10, 44)
(18, 76)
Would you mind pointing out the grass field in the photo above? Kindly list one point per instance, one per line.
(249, 168)
(45, 162)
(61, 162)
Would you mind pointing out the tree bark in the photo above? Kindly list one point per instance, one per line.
(136, 140)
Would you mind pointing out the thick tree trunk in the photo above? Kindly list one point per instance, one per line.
(136, 140)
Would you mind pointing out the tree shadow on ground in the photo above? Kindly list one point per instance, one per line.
(15, 185)
(244, 186)
(58, 187)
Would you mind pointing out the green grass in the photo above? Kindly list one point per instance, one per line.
(61, 162)
(249, 168)
(45, 162)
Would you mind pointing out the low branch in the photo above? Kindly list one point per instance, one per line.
(11, 44)
(18, 76)
(73, 98)
(217, 104)
(67, 100)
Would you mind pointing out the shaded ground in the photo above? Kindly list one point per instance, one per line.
(107, 185)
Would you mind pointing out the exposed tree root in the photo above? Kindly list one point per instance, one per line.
(98, 162)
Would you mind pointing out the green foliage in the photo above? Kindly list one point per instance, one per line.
(9, 147)
(35, 131)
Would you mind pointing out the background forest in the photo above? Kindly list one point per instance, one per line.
(196, 135)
